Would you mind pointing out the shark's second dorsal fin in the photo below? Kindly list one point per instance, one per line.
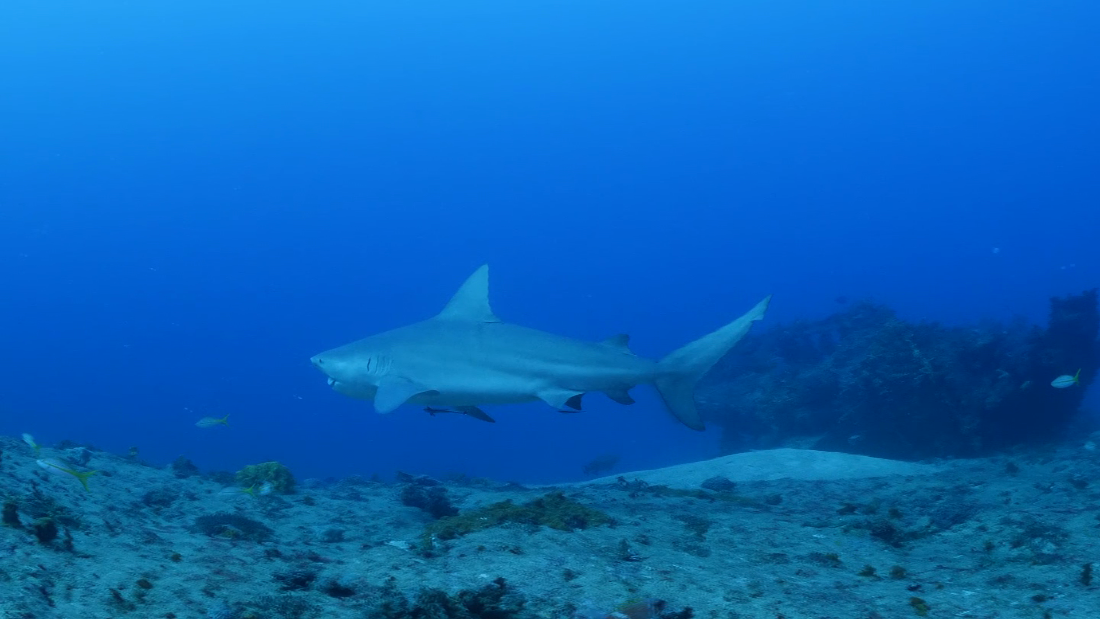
(471, 302)
(620, 341)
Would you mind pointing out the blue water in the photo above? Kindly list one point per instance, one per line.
(197, 197)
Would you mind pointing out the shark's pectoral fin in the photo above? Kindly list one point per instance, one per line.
(393, 391)
(561, 398)
(622, 396)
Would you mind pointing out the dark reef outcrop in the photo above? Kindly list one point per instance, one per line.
(864, 381)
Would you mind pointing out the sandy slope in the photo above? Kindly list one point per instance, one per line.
(776, 464)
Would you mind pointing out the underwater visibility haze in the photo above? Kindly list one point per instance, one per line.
(794, 309)
(196, 198)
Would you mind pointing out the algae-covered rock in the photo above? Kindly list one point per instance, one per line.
(433, 500)
(232, 526)
(274, 473)
(553, 510)
(11, 514)
(497, 600)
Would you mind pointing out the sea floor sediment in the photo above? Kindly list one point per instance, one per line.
(1004, 537)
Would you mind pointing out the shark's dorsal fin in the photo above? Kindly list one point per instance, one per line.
(471, 302)
(620, 341)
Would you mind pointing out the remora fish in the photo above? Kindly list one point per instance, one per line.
(470, 411)
(466, 357)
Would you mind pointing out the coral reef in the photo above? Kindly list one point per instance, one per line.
(865, 381)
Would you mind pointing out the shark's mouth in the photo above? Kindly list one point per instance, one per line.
(332, 382)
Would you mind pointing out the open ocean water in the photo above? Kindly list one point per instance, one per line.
(206, 206)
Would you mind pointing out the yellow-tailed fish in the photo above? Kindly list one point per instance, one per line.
(210, 422)
(231, 491)
(1065, 380)
(57, 468)
(28, 439)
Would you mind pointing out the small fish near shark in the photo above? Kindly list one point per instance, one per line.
(465, 357)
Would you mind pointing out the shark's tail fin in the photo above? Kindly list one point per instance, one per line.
(678, 373)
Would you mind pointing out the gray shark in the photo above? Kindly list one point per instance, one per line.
(466, 357)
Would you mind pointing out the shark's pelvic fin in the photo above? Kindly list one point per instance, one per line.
(471, 302)
(393, 391)
(678, 373)
(561, 398)
(622, 396)
(620, 342)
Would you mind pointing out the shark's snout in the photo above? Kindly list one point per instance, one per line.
(319, 363)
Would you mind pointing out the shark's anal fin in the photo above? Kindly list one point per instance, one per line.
(561, 398)
(622, 396)
(393, 391)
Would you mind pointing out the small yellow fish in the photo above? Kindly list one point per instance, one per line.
(250, 491)
(1065, 380)
(28, 439)
(210, 422)
(57, 468)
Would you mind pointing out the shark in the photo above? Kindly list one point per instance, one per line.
(465, 357)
